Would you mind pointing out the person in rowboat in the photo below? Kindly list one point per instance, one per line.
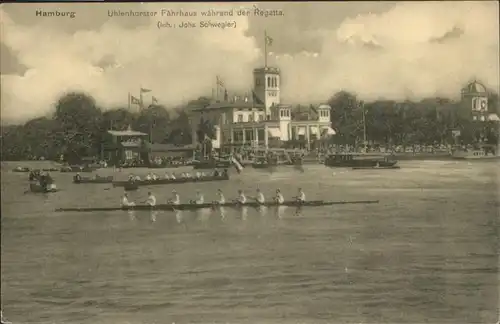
(279, 197)
(222, 199)
(151, 199)
(260, 197)
(172, 177)
(199, 198)
(301, 197)
(167, 176)
(242, 199)
(78, 177)
(176, 200)
(154, 177)
(125, 202)
(148, 177)
(198, 174)
(137, 178)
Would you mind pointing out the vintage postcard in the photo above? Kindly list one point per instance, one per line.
(250, 162)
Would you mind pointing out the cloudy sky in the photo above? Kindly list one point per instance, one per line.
(392, 50)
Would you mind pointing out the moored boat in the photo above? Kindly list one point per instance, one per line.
(96, 179)
(21, 169)
(355, 160)
(484, 152)
(211, 164)
(224, 176)
(168, 207)
(76, 168)
(393, 167)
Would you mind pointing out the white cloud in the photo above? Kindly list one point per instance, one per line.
(377, 55)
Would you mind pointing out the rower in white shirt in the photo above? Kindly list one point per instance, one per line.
(260, 197)
(222, 199)
(154, 177)
(148, 177)
(167, 176)
(176, 199)
(301, 197)
(173, 176)
(151, 199)
(198, 175)
(199, 198)
(137, 178)
(125, 202)
(242, 199)
(279, 197)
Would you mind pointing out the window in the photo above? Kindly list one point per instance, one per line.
(276, 82)
(240, 118)
(250, 118)
(269, 81)
(249, 135)
(257, 82)
(281, 113)
(261, 117)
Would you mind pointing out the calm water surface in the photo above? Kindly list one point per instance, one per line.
(426, 253)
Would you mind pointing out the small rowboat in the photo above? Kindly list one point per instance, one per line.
(378, 168)
(93, 180)
(168, 207)
(20, 169)
(138, 183)
(37, 188)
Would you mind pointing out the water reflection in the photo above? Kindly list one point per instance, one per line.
(131, 215)
(222, 213)
(178, 216)
(153, 216)
(262, 210)
(204, 214)
(280, 211)
(244, 212)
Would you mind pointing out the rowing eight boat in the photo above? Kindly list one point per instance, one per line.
(314, 203)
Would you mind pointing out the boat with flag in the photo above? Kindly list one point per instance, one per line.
(169, 207)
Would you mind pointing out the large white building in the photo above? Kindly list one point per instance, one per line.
(260, 119)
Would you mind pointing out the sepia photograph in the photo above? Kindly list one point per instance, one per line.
(250, 162)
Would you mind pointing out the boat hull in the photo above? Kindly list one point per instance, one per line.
(359, 160)
(90, 180)
(168, 207)
(168, 181)
(394, 167)
(36, 188)
(212, 165)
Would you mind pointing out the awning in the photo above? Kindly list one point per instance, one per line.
(493, 117)
(314, 130)
(274, 132)
(301, 131)
(328, 131)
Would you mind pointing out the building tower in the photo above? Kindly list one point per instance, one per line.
(267, 88)
(475, 101)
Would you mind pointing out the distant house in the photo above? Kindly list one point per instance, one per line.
(120, 146)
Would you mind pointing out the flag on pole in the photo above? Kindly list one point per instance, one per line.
(220, 83)
(236, 164)
(143, 90)
(134, 100)
(269, 40)
(154, 100)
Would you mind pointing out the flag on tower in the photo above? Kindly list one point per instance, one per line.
(154, 100)
(134, 100)
(220, 83)
(143, 90)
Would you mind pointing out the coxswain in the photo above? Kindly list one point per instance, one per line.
(151, 199)
(242, 199)
(222, 199)
(301, 197)
(176, 200)
(260, 197)
(125, 202)
(279, 197)
(199, 198)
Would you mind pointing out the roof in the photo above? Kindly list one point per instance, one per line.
(324, 106)
(226, 104)
(126, 133)
(474, 87)
(267, 69)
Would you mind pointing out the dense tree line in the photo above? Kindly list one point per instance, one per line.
(78, 125)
